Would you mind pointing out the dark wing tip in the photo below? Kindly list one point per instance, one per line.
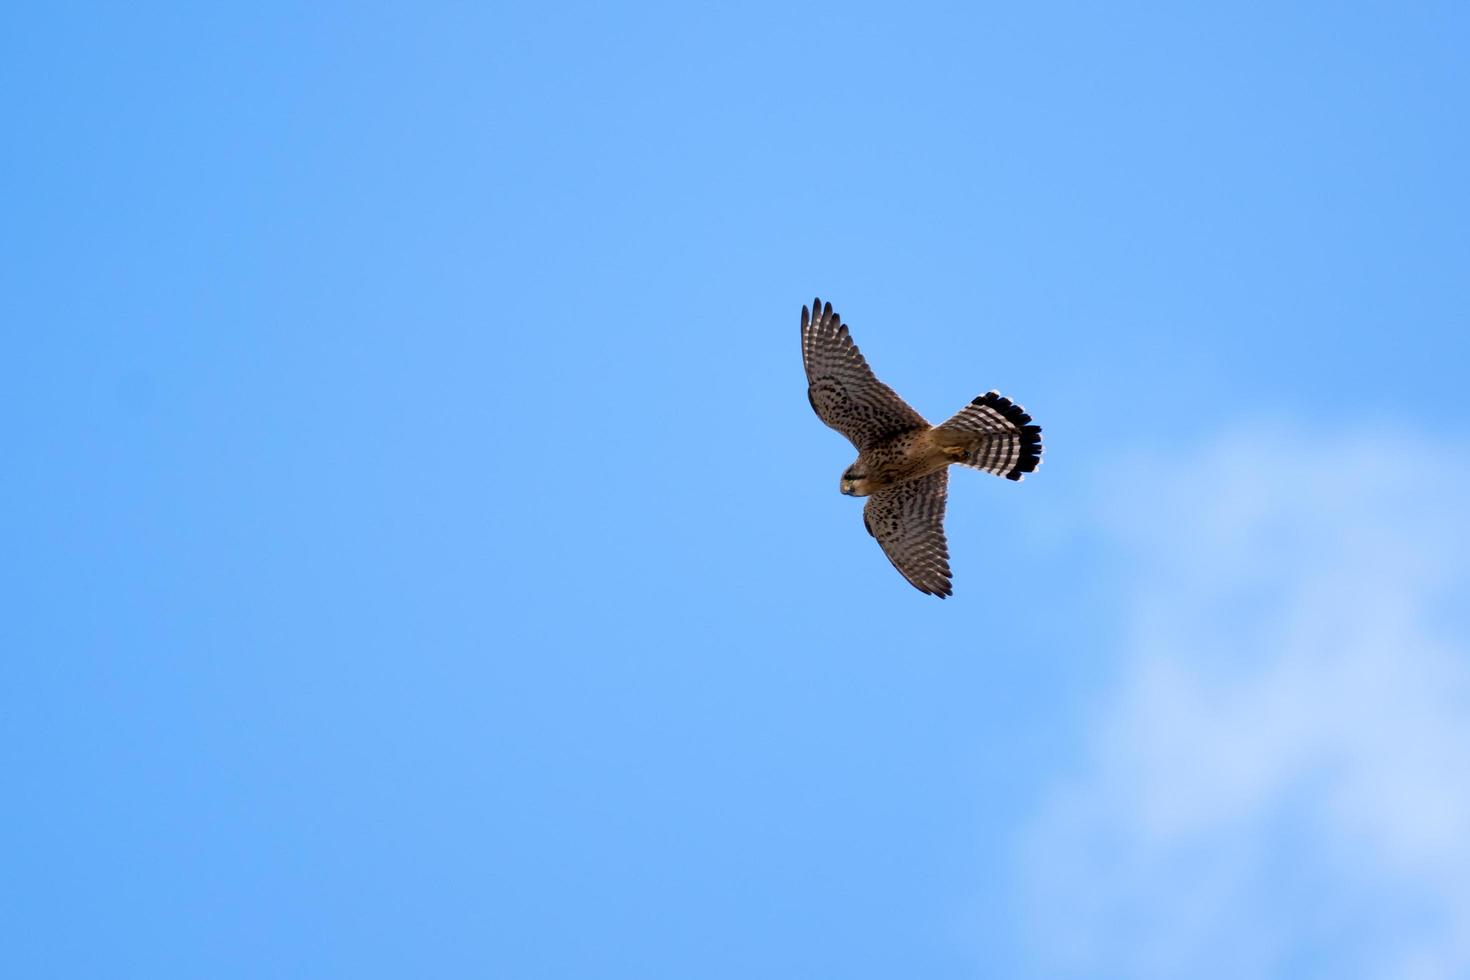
(940, 590)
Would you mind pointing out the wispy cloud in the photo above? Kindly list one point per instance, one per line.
(1278, 784)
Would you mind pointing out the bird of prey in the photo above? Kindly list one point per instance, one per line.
(903, 461)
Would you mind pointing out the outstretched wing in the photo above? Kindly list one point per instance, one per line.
(908, 521)
(841, 387)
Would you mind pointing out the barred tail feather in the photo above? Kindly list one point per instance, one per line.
(993, 434)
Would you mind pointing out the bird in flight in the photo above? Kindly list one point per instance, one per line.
(903, 461)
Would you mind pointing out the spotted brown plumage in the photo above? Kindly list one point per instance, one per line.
(908, 521)
(841, 387)
(903, 462)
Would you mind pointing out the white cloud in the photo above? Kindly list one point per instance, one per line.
(1279, 782)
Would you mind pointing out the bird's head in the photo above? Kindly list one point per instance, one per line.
(855, 482)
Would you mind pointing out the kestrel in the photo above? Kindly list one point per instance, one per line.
(903, 461)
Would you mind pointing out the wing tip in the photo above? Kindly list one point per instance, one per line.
(943, 589)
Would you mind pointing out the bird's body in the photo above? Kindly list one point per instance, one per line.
(902, 457)
(903, 461)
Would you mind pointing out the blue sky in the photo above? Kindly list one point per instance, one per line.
(422, 559)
